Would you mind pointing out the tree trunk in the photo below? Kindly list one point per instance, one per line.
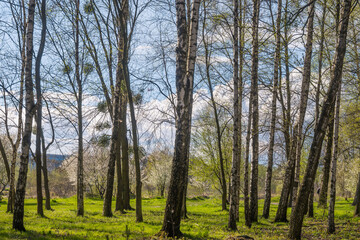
(184, 208)
(80, 165)
(123, 17)
(5, 159)
(114, 148)
(125, 152)
(267, 201)
(255, 115)
(304, 96)
(357, 209)
(310, 210)
(45, 173)
(18, 220)
(286, 106)
(235, 169)
(214, 106)
(357, 193)
(185, 65)
(319, 133)
(246, 175)
(331, 212)
(15, 146)
(295, 153)
(40, 210)
(119, 206)
(327, 162)
(44, 157)
(139, 217)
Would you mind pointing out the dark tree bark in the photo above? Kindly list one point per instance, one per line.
(296, 143)
(125, 153)
(357, 193)
(114, 141)
(80, 165)
(255, 114)
(246, 175)
(327, 163)
(235, 169)
(5, 159)
(310, 207)
(286, 106)
(39, 196)
(304, 96)
(119, 206)
(184, 208)
(319, 134)
(44, 159)
(327, 160)
(18, 220)
(185, 65)
(331, 212)
(139, 217)
(123, 13)
(267, 201)
(45, 174)
(357, 209)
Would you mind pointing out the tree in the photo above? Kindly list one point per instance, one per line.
(255, 114)
(45, 148)
(297, 215)
(324, 187)
(115, 134)
(335, 149)
(39, 115)
(20, 20)
(215, 107)
(79, 100)
(357, 193)
(296, 144)
(185, 65)
(18, 220)
(236, 161)
(267, 201)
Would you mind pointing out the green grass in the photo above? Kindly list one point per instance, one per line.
(206, 221)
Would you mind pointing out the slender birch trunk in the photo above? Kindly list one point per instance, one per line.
(331, 212)
(235, 169)
(267, 201)
(255, 114)
(39, 197)
(18, 219)
(185, 66)
(319, 134)
(296, 143)
(80, 165)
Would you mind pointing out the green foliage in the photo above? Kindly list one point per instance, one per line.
(103, 140)
(88, 68)
(204, 152)
(102, 107)
(89, 7)
(103, 125)
(206, 221)
(137, 98)
(67, 69)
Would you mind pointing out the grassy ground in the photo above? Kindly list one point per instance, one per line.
(206, 221)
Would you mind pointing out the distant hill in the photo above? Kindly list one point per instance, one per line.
(54, 161)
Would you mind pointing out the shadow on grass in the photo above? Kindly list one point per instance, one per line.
(33, 235)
